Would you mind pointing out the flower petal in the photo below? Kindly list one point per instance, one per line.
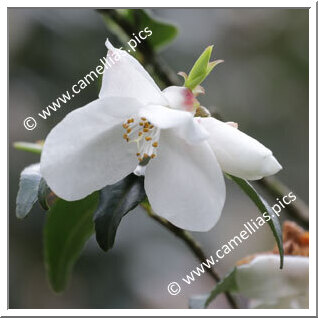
(184, 184)
(182, 121)
(262, 278)
(238, 153)
(127, 78)
(291, 302)
(86, 150)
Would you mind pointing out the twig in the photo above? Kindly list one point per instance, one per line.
(297, 209)
(192, 245)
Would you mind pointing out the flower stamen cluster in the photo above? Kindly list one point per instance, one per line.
(144, 134)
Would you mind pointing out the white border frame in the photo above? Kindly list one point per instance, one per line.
(312, 165)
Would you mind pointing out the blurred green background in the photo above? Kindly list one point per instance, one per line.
(263, 85)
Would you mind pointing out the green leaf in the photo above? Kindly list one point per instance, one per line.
(162, 32)
(28, 190)
(227, 284)
(28, 146)
(125, 22)
(68, 226)
(212, 65)
(201, 69)
(115, 202)
(263, 206)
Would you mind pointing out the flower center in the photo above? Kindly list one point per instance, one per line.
(144, 134)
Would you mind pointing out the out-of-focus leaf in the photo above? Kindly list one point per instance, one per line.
(263, 206)
(128, 21)
(162, 32)
(227, 284)
(115, 202)
(46, 196)
(28, 190)
(68, 226)
(29, 146)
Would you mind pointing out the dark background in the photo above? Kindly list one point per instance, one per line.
(263, 85)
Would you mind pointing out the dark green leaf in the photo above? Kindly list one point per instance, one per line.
(28, 190)
(162, 32)
(125, 22)
(29, 146)
(116, 201)
(69, 225)
(263, 206)
(227, 284)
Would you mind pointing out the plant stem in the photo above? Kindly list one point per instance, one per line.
(192, 245)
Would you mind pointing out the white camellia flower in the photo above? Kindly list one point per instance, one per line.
(267, 286)
(100, 143)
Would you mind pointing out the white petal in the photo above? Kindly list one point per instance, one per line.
(292, 302)
(86, 151)
(262, 278)
(182, 121)
(185, 184)
(238, 153)
(127, 78)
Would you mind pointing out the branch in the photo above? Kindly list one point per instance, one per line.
(192, 245)
(297, 209)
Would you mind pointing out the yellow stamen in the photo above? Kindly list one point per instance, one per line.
(148, 138)
(143, 118)
(153, 156)
(155, 144)
(145, 130)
